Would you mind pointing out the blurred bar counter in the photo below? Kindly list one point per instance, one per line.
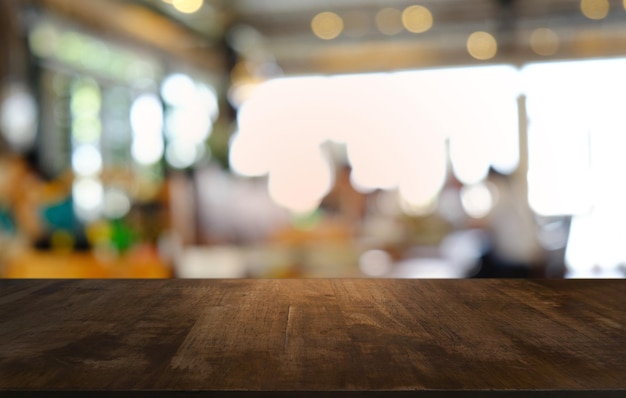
(87, 264)
(311, 337)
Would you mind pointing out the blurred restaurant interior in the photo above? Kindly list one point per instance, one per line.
(312, 138)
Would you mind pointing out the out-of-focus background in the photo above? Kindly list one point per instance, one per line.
(312, 138)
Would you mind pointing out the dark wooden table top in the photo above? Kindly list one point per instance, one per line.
(345, 336)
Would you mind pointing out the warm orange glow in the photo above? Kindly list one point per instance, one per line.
(482, 46)
(327, 25)
(595, 9)
(417, 19)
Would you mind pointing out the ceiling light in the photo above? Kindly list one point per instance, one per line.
(594, 9)
(544, 41)
(482, 45)
(327, 25)
(187, 6)
(417, 19)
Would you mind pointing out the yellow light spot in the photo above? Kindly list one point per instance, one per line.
(98, 232)
(43, 39)
(187, 6)
(595, 9)
(417, 19)
(327, 25)
(482, 45)
(389, 21)
(544, 41)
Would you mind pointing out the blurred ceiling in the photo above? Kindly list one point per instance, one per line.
(371, 38)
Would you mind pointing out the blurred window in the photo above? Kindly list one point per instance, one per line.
(395, 128)
(576, 161)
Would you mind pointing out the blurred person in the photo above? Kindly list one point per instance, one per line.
(9, 174)
(232, 210)
(343, 202)
(9, 169)
(514, 250)
(17, 190)
(18, 225)
(468, 242)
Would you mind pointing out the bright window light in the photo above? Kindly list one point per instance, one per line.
(192, 109)
(299, 182)
(475, 108)
(116, 203)
(247, 155)
(146, 119)
(477, 200)
(88, 195)
(576, 141)
(86, 160)
(394, 125)
(18, 116)
(182, 153)
(178, 89)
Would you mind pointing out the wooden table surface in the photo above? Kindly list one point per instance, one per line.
(351, 337)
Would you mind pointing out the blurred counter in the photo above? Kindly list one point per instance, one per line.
(50, 264)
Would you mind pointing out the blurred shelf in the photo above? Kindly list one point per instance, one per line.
(47, 264)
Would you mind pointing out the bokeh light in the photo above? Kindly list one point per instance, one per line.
(178, 89)
(208, 100)
(146, 118)
(192, 108)
(182, 153)
(544, 41)
(375, 263)
(482, 46)
(18, 116)
(595, 9)
(116, 203)
(85, 105)
(477, 200)
(86, 160)
(43, 39)
(301, 181)
(417, 19)
(88, 194)
(327, 25)
(187, 6)
(86, 99)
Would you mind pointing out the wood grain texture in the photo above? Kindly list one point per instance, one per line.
(314, 335)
